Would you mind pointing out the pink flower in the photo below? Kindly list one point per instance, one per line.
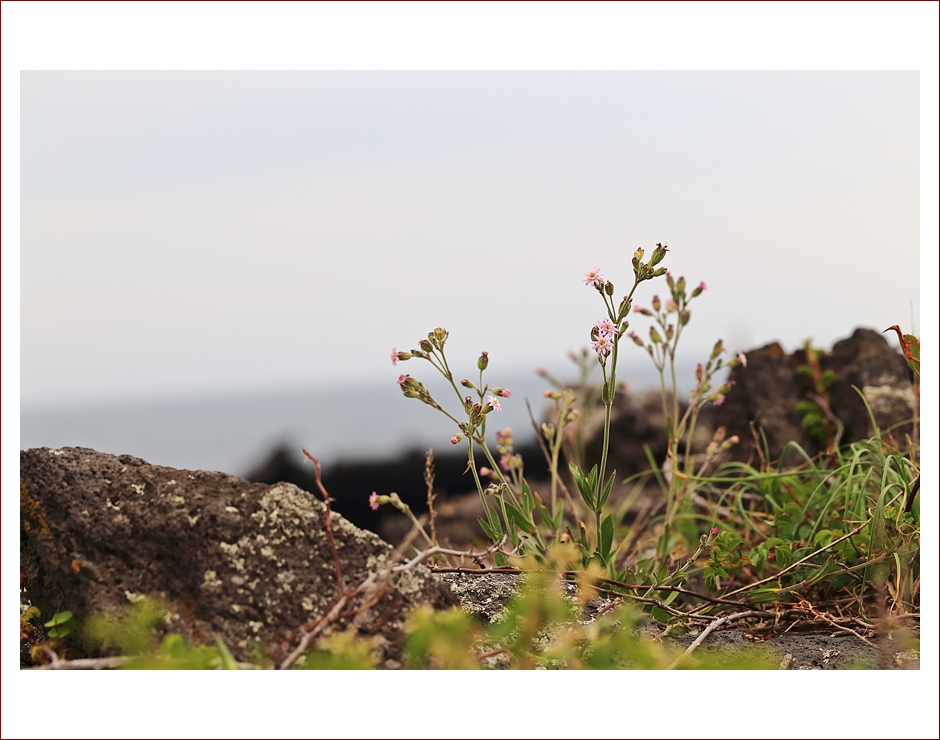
(402, 379)
(719, 399)
(743, 359)
(374, 501)
(394, 356)
(493, 403)
(714, 531)
(502, 392)
(605, 327)
(603, 345)
(671, 306)
(455, 439)
(702, 285)
(593, 277)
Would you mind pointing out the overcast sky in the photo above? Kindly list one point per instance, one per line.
(190, 232)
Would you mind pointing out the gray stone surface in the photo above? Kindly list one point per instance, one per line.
(245, 561)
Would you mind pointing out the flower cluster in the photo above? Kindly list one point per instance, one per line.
(602, 337)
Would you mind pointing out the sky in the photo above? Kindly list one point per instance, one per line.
(188, 233)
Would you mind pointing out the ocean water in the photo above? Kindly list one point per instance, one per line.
(235, 433)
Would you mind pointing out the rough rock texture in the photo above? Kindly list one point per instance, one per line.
(247, 562)
(768, 389)
(765, 392)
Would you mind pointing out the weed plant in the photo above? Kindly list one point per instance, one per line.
(834, 540)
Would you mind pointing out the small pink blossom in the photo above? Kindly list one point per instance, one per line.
(743, 359)
(714, 531)
(719, 399)
(593, 277)
(402, 379)
(603, 345)
(394, 356)
(671, 306)
(605, 327)
(702, 285)
(374, 501)
(455, 439)
(502, 392)
(493, 403)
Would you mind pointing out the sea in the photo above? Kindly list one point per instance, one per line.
(235, 433)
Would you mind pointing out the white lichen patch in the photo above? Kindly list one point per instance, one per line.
(193, 519)
(885, 399)
(284, 579)
(178, 500)
(55, 452)
(409, 583)
(134, 598)
(256, 626)
(237, 581)
(232, 510)
(211, 580)
(138, 488)
(107, 502)
(171, 482)
(307, 604)
(267, 552)
(235, 608)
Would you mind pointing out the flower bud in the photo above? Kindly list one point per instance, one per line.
(699, 372)
(555, 395)
(636, 340)
(671, 306)
(644, 311)
(684, 317)
(658, 254)
(609, 288)
(441, 335)
(657, 304)
(483, 361)
(680, 286)
(548, 430)
(467, 403)
(670, 282)
(698, 289)
(501, 392)
(425, 345)
(638, 254)
(467, 383)
(456, 438)
(730, 442)
(659, 272)
(717, 349)
(654, 336)
(670, 331)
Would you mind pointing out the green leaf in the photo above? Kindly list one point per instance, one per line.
(607, 489)
(823, 537)
(228, 660)
(607, 536)
(660, 615)
(60, 618)
(489, 531)
(784, 556)
(520, 518)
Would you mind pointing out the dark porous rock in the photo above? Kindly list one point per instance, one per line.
(350, 483)
(868, 362)
(765, 393)
(636, 421)
(767, 390)
(244, 561)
